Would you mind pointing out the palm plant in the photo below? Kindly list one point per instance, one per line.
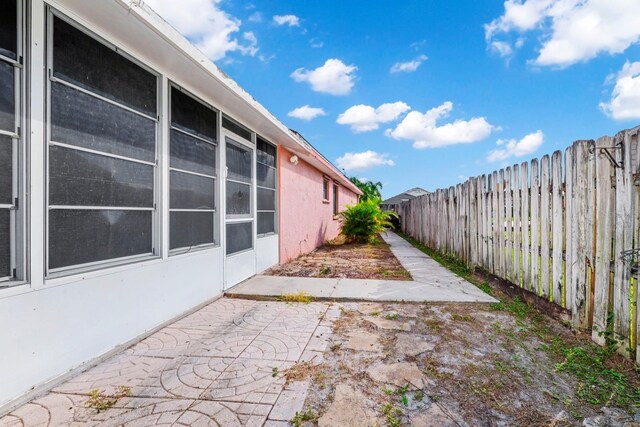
(369, 189)
(362, 223)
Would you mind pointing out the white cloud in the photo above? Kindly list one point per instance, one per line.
(363, 161)
(625, 98)
(425, 132)
(306, 113)
(316, 44)
(572, 30)
(255, 17)
(211, 29)
(408, 67)
(527, 145)
(290, 20)
(364, 118)
(503, 49)
(334, 77)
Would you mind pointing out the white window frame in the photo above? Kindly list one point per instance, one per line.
(156, 219)
(232, 138)
(17, 221)
(275, 191)
(325, 185)
(335, 203)
(216, 209)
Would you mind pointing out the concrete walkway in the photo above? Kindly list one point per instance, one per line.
(223, 365)
(431, 283)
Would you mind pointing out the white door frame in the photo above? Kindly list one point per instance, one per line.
(241, 265)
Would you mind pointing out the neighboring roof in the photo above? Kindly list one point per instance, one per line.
(236, 101)
(407, 195)
(416, 192)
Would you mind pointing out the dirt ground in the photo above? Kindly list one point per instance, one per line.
(453, 365)
(338, 259)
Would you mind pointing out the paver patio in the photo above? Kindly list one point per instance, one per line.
(222, 365)
(431, 283)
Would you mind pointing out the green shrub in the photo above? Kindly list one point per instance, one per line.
(362, 222)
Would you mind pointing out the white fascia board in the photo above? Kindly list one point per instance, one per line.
(278, 132)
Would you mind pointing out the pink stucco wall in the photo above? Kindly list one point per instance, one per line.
(306, 221)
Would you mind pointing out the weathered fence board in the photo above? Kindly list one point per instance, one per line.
(580, 224)
(545, 226)
(534, 250)
(515, 183)
(556, 227)
(624, 241)
(524, 197)
(508, 221)
(604, 233)
(568, 218)
(495, 220)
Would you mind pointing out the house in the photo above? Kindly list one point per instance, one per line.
(392, 202)
(137, 182)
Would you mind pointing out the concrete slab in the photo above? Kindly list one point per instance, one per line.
(278, 285)
(431, 283)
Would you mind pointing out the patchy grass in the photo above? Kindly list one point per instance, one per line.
(100, 401)
(602, 376)
(461, 317)
(302, 297)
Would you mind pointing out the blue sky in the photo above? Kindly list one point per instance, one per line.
(428, 92)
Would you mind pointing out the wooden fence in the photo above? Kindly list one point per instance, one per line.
(566, 229)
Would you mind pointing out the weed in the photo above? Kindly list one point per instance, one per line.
(461, 317)
(375, 313)
(392, 413)
(402, 390)
(599, 385)
(100, 401)
(302, 417)
(324, 270)
(418, 396)
(434, 324)
(516, 306)
(405, 400)
(391, 316)
(274, 372)
(498, 306)
(297, 297)
(484, 287)
(335, 347)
